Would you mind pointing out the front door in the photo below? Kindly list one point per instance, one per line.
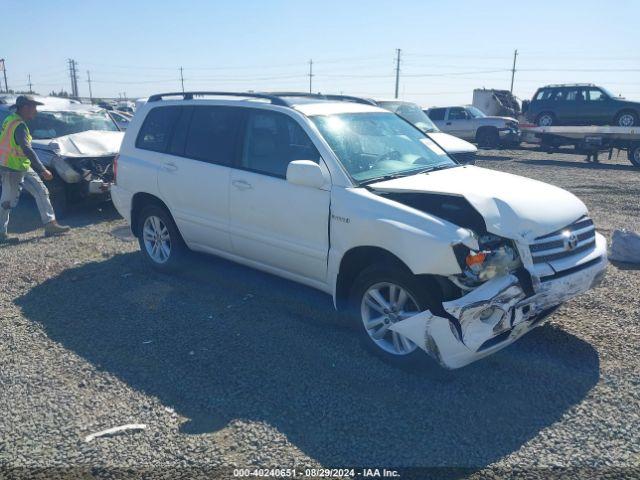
(272, 221)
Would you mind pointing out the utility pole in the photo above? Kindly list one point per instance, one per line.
(397, 70)
(73, 73)
(30, 86)
(4, 71)
(182, 79)
(513, 69)
(310, 76)
(89, 82)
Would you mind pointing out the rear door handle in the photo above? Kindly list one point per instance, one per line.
(448, 123)
(170, 167)
(242, 185)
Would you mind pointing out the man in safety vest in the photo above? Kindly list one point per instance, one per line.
(18, 166)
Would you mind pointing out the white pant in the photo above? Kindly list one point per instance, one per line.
(12, 183)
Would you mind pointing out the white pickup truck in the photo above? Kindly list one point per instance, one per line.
(471, 124)
(425, 254)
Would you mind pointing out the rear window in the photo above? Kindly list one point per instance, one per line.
(213, 134)
(437, 113)
(156, 130)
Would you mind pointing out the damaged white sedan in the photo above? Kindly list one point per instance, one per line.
(427, 255)
(76, 142)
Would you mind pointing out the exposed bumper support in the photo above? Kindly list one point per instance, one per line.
(495, 314)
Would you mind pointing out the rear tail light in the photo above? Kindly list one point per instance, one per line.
(115, 169)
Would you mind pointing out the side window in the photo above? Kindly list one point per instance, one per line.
(179, 137)
(157, 128)
(437, 114)
(595, 95)
(457, 113)
(213, 133)
(272, 140)
(557, 95)
(575, 95)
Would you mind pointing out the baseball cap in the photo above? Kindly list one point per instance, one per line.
(23, 100)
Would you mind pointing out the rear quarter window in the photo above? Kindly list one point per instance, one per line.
(157, 128)
(436, 113)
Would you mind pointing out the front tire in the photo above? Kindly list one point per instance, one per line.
(488, 137)
(382, 295)
(159, 239)
(627, 119)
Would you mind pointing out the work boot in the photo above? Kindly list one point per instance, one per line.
(7, 240)
(53, 228)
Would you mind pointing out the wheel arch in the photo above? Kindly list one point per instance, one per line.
(141, 200)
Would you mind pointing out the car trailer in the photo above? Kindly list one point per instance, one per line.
(587, 140)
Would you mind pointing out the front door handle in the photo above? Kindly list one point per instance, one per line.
(170, 167)
(242, 185)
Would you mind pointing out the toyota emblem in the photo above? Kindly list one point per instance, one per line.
(570, 241)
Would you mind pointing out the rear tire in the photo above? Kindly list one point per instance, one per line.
(627, 119)
(160, 241)
(488, 137)
(387, 288)
(545, 119)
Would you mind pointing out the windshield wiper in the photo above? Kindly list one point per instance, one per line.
(409, 173)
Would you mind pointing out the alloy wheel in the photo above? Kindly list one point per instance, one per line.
(384, 304)
(626, 120)
(157, 240)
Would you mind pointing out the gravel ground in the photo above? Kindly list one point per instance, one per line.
(229, 367)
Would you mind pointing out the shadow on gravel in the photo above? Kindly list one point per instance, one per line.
(221, 342)
(25, 217)
(581, 164)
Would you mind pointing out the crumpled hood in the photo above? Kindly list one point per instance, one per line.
(512, 206)
(92, 143)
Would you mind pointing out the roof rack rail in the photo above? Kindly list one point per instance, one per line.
(323, 96)
(569, 85)
(275, 100)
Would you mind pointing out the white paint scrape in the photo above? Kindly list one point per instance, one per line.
(111, 431)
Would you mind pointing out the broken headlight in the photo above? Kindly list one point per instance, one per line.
(495, 256)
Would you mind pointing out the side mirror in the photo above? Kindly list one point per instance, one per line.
(306, 173)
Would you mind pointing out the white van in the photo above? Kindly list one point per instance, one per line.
(427, 255)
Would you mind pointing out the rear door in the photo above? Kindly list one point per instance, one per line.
(272, 221)
(194, 178)
(437, 116)
(460, 124)
(570, 105)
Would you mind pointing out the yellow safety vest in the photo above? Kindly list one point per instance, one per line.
(11, 154)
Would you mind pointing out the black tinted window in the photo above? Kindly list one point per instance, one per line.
(272, 140)
(180, 131)
(157, 128)
(437, 113)
(458, 113)
(213, 134)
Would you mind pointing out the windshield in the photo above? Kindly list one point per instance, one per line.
(56, 124)
(475, 113)
(411, 113)
(376, 145)
(608, 92)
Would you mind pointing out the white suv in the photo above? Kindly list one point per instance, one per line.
(426, 254)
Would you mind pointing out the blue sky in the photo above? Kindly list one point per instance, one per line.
(448, 48)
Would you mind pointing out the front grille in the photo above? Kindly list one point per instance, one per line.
(464, 157)
(557, 245)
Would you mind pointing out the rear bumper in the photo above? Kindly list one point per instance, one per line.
(497, 313)
(122, 201)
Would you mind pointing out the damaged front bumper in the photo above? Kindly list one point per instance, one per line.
(499, 312)
(94, 175)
